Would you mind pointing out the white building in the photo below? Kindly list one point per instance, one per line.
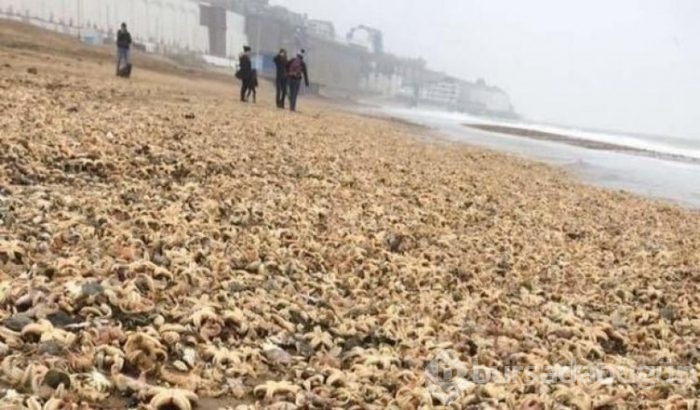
(444, 92)
(160, 25)
(383, 84)
(236, 37)
(491, 99)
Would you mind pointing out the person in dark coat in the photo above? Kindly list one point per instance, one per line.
(296, 69)
(123, 45)
(281, 77)
(245, 72)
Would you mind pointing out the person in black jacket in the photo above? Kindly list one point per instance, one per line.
(296, 69)
(123, 45)
(281, 78)
(245, 72)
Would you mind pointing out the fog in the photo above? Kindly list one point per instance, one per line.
(621, 65)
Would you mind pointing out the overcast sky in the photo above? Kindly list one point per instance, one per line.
(629, 65)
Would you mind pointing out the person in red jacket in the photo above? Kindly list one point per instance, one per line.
(296, 69)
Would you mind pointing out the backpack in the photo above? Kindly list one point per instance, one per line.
(295, 67)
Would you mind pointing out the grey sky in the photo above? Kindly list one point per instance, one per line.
(630, 65)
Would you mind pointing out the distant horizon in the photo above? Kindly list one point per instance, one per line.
(573, 127)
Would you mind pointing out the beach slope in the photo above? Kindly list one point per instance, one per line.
(162, 243)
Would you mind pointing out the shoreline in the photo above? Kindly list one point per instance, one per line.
(579, 142)
(604, 170)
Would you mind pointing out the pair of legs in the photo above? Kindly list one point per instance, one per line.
(281, 84)
(251, 90)
(246, 86)
(294, 85)
(122, 57)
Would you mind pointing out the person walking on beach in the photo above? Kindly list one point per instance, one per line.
(281, 77)
(123, 45)
(245, 72)
(296, 68)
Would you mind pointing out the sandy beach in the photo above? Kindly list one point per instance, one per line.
(164, 246)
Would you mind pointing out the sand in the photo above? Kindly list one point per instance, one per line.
(163, 245)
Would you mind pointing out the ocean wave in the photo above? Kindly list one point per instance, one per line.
(665, 145)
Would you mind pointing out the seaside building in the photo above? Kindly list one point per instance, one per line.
(321, 28)
(480, 98)
(443, 93)
(372, 40)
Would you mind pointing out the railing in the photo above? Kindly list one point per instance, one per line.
(38, 21)
(91, 35)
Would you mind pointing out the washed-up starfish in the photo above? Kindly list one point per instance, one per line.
(272, 388)
(319, 338)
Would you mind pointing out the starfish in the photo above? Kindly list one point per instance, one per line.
(221, 356)
(12, 369)
(144, 351)
(53, 403)
(11, 252)
(312, 382)
(46, 332)
(383, 361)
(336, 378)
(11, 338)
(237, 317)
(271, 388)
(596, 333)
(172, 399)
(319, 338)
(205, 313)
(93, 386)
